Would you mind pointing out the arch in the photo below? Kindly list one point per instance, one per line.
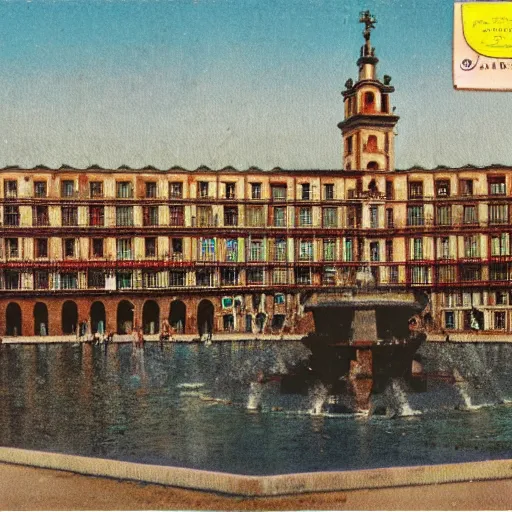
(150, 317)
(371, 144)
(13, 319)
(98, 317)
(125, 317)
(69, 317)
(205, 312)
(369, 102)
(260, 321)
(40, 319)
(372, 166)
(178, 316)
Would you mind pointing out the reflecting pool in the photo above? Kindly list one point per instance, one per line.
(207, 407)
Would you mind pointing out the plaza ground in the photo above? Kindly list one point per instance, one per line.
(28, 488)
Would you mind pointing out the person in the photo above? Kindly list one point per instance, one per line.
(140, 339)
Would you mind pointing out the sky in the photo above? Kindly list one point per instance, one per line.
(229, 82)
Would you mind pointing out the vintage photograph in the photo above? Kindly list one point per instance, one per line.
(255, 255)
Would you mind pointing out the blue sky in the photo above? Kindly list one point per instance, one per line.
(229, 82)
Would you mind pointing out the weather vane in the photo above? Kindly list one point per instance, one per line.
(369, 21)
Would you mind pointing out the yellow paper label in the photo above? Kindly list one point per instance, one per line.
(487, 28)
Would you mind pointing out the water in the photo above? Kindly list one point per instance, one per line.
(208, 407)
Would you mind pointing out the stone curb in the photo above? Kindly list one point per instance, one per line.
(255, 486)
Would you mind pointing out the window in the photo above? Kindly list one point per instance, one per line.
(497, 186)
(12, 280)
(124, 280)
(97, 247)
(330, 217)
(11, 247)
(466, 187)
(415, 190)
(41, 247)
(374, 217)
(471, 246)
(228, 276)
(374, 251)
(447, 274)
(40, 216)
(350, 144)
(151, 190)
(498, 214)
(176, 215)
(41, 280)
(124, 248)
(389, 250)
(150, 279)
(444, 215)
(278, 192)
(419, 275)
(389, 218)
(205, 278)
(470, 215)
(254, 216)
(415, 216)
(96, 279)
(501, 298)
(389, 190)
(449, 320)
(11, 215)
(232, 249)
(255, 276)
(69, 215)
(444, 251)
(306, 191)
(69, 245)
(96, 189)
(207, 249)
(305, 216)
(329, 276)
(205, 216)
(306, 250)
(393, 274)
(96, 216)
(40, 189)
(371, 144)
(470, 273)
(303, 275)
(498, 272)
(256, 190)
(279, 216)
(499, 246)
(369, 102)
(279, 276)
(442, 188)
(372, 166)
(175, 189)
(354, 214)
(230, 215)
(150, 247)
(230, 190)
(150, 216)
(385, 103)
(499, 320)
(124, 216)
(177, 249)
(202, 188)
(417, 248)
(176, 278)
(349, 250)
(329, 249)
(328, 191)
(278, 249)
(69, 281)
(124, 189)
(256, 252)
(67, 188)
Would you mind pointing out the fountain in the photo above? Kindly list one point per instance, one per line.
(363, 339)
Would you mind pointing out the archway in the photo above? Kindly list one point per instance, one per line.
(177, 316)
(40, 319)
(13, 319)
(205, 317)
(69, 317)
(125, 317)
(151, 317)
(98, 317)
(372, 166)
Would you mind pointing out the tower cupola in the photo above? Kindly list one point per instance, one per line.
(369, 121)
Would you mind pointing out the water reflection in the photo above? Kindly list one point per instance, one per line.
(223, 407)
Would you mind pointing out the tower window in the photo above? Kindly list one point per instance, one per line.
(372, 166)
(385, 103)
(371, 145)
(369, 102)
(350, 144)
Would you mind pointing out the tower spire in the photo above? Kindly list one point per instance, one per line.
(367, 61)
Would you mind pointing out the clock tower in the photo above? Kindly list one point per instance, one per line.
(369, 122)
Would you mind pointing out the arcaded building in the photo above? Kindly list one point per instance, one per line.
(241, 251)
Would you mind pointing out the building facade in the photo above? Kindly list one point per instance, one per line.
(241, 251)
